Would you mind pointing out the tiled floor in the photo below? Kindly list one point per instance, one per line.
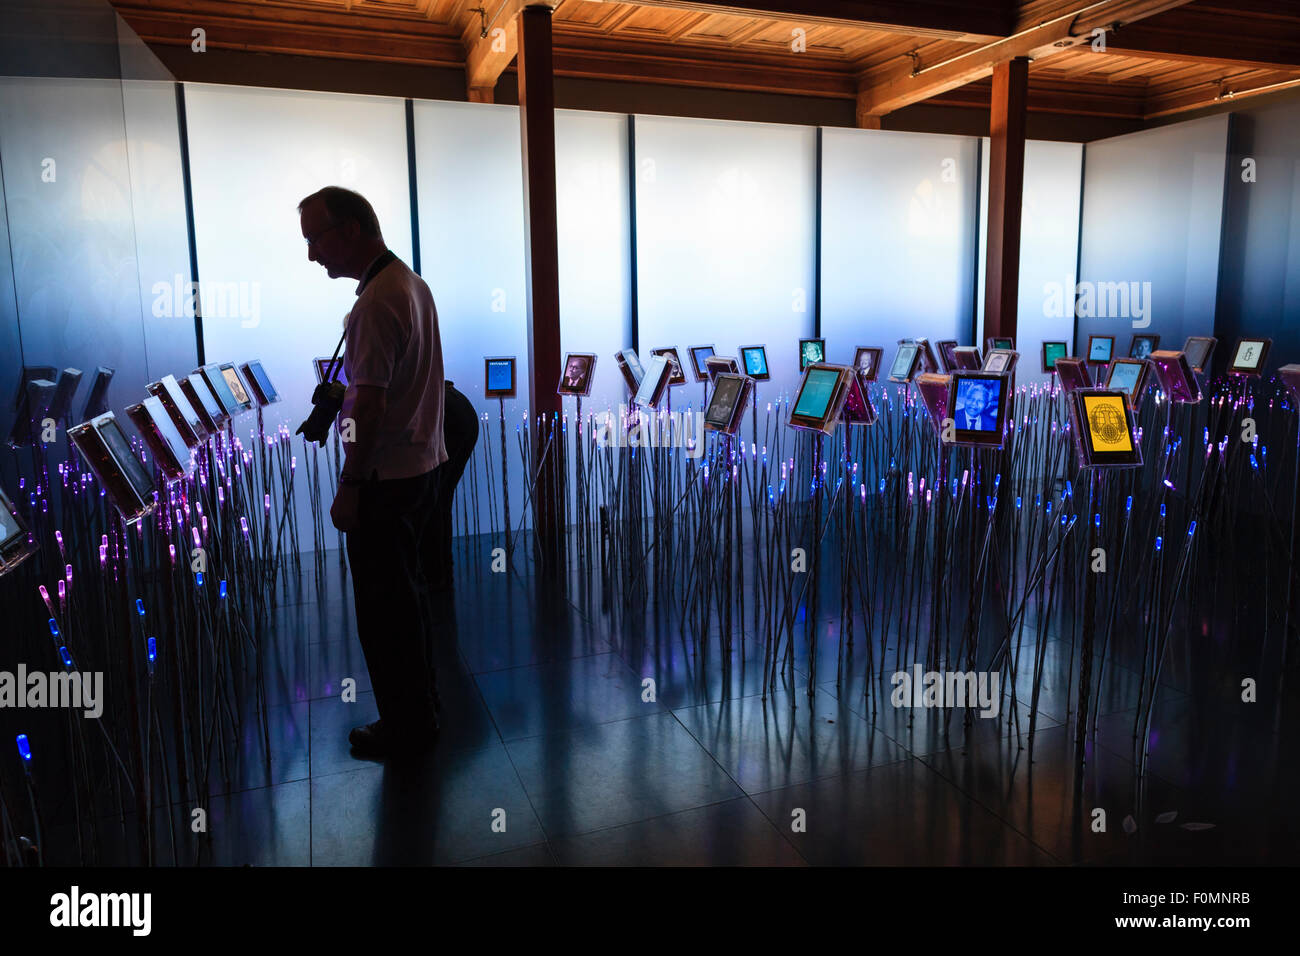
(557, 750)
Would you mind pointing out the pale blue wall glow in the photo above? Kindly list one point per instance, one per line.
(725, 216)
(157, 198)
(595, 245)
(254, 153)
(898, 238)
(470, 186)
(1152, 206)
(76, 284)
(1049, 243)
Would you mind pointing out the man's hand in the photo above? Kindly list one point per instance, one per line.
(345, 512)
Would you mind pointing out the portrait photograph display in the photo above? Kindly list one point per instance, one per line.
(728, 402)
(1142, 346)
(576, 377)
(1000, 361)
(866, 359)
(754, 360)
(811, 352)
(977, 406)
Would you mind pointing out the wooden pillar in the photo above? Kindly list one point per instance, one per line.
(1006, 189)
(542, 274)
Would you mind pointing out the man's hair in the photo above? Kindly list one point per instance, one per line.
(344, 204)
(973, 385)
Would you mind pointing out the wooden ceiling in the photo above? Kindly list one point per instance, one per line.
(1159, 57)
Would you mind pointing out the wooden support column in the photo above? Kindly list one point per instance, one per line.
(542, 274)
(1006, 189)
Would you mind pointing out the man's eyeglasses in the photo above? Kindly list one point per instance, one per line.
(312, 240)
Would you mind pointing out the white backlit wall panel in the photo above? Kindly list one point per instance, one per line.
(470, 188)
(157, 200)
(725, 215)
(1049, 244)
(1152, 207)
(254, 153)
(595, 246)
(898, 238)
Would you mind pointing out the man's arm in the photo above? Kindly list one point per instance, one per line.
(366, 413)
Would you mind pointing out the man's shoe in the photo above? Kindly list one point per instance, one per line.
(375, 740)
(372, 740)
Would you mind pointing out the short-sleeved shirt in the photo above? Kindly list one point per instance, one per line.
(393, 343)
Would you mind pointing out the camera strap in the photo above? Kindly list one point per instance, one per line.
(331, 370)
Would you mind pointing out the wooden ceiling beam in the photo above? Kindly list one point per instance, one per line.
(1213, 93)
(950, 19)
(885, 90)
(490, 47)
(257, 27)
(571, 61)
(1211, 38)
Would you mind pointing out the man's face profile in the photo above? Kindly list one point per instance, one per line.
(327, 241)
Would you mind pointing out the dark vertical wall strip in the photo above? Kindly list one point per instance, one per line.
(189, 217)
(817, 241)
(631, 218)
(415, 198)
(1078, 253)
(1259, 256)
(1227, 297)
(975, 263)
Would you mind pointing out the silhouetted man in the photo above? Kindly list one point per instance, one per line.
(392, 424)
